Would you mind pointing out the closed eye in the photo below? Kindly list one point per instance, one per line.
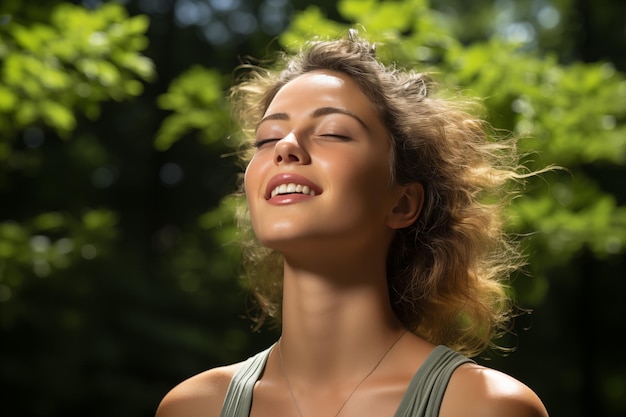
(334, 135)
(262, 142)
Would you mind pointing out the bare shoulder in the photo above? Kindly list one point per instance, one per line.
(200, 395)
(476, 390)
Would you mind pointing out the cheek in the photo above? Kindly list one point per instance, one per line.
(373, 178)
(252, 176)
(253, 185)
(365, 190)
(247, 177)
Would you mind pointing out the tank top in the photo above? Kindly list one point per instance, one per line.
(421, 399)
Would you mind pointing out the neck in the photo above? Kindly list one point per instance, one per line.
(331, 313)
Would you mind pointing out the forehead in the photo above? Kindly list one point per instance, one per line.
(323, 88)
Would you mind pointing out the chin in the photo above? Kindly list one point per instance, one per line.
(287, 242)
(279, 243)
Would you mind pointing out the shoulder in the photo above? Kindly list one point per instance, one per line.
(476, 390)
(200, 395)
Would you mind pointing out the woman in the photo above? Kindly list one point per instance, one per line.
(378, 204)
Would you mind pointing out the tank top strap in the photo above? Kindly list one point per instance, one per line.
(425, 391)
(422, 398)
(238, 400)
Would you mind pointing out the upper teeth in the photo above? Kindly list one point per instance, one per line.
(292, 188)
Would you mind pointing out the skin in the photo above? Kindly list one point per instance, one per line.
(337, 319)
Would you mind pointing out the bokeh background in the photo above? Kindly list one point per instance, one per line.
(119, 275)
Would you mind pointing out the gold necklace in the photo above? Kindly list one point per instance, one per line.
(293, 397)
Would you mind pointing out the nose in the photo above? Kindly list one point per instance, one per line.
(289, 150)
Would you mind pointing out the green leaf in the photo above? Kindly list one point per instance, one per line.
(58, 116)
(309, 24)
(99, 220)
(354, 9)
(8, 99)
(49, 221)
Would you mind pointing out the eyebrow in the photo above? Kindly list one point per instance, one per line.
(322, 111)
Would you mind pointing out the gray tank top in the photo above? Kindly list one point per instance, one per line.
(422, 398)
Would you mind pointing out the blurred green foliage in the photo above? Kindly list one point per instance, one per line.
(197, 100)
(118, 256)
(69, 65)
(52, 72)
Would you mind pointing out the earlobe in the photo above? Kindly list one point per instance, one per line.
(408, 206)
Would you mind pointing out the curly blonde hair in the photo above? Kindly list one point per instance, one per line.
(446, 273)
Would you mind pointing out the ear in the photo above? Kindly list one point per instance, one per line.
(407, 207)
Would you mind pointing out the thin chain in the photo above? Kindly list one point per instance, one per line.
(293, 397)
(282, 365)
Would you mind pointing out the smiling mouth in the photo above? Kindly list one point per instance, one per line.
(292, 188)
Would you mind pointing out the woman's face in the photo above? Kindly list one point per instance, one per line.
(320, 176)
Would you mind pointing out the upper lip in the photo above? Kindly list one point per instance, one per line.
(288, 178)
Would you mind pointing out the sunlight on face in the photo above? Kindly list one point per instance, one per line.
(321, 169)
